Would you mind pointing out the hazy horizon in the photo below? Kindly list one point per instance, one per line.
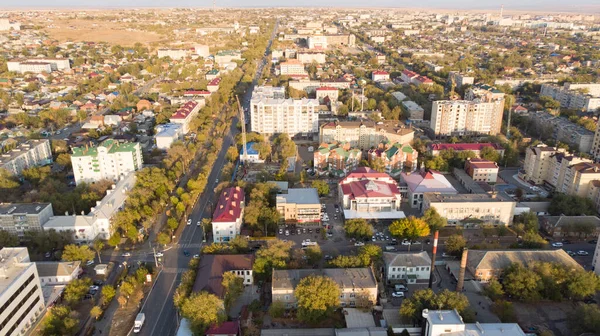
(534, 5)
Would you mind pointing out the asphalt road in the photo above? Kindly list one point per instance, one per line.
(161, 314)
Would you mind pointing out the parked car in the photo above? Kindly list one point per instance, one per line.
(198, 223)
(186, 253)
(280, 231)
(196, 256)
(405, 242)
(582, 253)
(287, 232)
(398, 294)
(126, 254)
(571, 253)
(94, 288)
(158, 254)
(593, 241)
(48, 255)
(566, 242)
(400, 288)
(189, 221)
(89, 262)
(359, 244)
(557, 244)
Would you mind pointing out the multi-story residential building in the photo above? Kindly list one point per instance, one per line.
(415, 185)
(28, 154)
(110, 160)
(596, 259)
(395, 157)
(270, 115)
(6, 24)
(463, 117)
(17, 218)
(380, 75)
(292, 67)
(411, 77)
(20, 292)
(330, 93)
(563, 130)
(450, 323)
(368, 194)
(596, 144)
(228, 215)
(98, 222)
(52, 273)
(358, 286)
(482, 170)
(415, 111)
(577, 96)
(185, 114)
(31, 64)
(365, 134)
(309, 57)
(536, 166)
(459, 79)
(435, 149)
(166, 134)
(212, 74)
(174, 54)
(317, 42)
(411, 267)
(485, 265)
(212, 267)
(213, 85)
(578, 178)
(337, 159)
(301, 205)
(467, 209)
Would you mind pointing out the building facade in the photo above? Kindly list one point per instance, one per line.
(291, 68)
(415, 111)
(409, 268)
(17, 218)
(185, 114)
(228, 215)
(29, 154)
(109, 160)
(301, 205)
(20, 292)
(52, 273)
(396, 158)
(463, 117)
(436, 148)
(336, 159)
(472, 209)
(577, 96)
(482, 170)
(365, 134)
(365, 193)
(415, 185)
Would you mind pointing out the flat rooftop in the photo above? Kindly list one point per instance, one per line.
(467, 198)
(22, 208)
(14, 261)
(300, 196)
(21, 149)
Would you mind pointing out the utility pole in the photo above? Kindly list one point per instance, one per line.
(434, 252)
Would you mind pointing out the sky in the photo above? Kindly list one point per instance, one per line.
(538, 5)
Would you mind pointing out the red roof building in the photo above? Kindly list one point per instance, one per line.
(230, 328)
(366, 193)
(379, 75)
(185, 113)
(482, 170)
(213, 85)
(228, 214)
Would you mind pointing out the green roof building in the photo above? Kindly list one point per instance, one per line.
(110, 160)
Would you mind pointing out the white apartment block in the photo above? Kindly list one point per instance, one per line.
(415, 111)
(35, 67)
(292, 68)
(17, 218)
(365, 134)
(26, 155)
(32, 64)
(548, 165)
(463, 117)
(470, 209)
(174, 54)
(186, 113)
(6, 24)
(317, 42)
(596, 144)
(460, 80)
(109, 160)
(228, 215)
(20, 292)
(270, 115)
(577, 96)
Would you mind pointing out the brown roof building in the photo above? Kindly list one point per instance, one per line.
(212, 268)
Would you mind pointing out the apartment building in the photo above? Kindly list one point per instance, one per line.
(309, 57)
(577, 96)
(459, 79)
(110, 160)
(436, 148)
(470, 209)
(409, 268)
(411, 77)
(395, 157)
(327, 93)
(20, 292)
(227, 56)
(596, 144)
(337, 158)
(17, 218)
(228, 215)
(357, 285)
(537, 163)
(464, 117)
(174, 54)
(415, 111)
(185, 114)
(365, 134)
(301, 205)
(577, 179)
(292, 67)
(317, 42)
(482, 170)
(28, 154)
(6, 24)
(24, 65)
(368, 194)
(563, 130)
(166, 134)
(270, 114)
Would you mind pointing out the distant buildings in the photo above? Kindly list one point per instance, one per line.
(185, 114)
(270, 114)
(38, 65)
(317, 42)
(395, 157)
(166, 134)
(379, 75)
(228, 215)
(435, 148)
(365, 193)
(336, 158)
(416, 112)
(459, 79)
(109, 160)
(292, 68)
(365, 134)
(330, 93)
(358, 286)
(563, 130)
(577, 96)
(411, 77)
(6, 24)
(174, 54)
(20, 291)
(17, 218)
(309, 57)
(226, 56)
(417, 184)
(301, 205)
(472, 209)
(28, 154)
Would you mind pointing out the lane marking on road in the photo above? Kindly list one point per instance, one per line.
(163, 306)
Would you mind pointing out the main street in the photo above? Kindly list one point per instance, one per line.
(161, 314)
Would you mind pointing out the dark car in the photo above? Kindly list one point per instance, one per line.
(318, 230)
(567, 242)
(595, 241)
(186, 253)
(98, 283)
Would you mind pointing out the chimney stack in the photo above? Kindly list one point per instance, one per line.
(463, 268)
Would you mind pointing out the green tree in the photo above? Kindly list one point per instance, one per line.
(275, 254)
(455, 245)
(532, 239)
(98, 245)
(409, 228)
(7, 180)
(505, 311)
(493, 290)
(321, 186)
(317, 297)
(60, 321)
(96, 312)
(232, 154)
(584, 318)
(568, 205)
(108, 293)
(434, 220)
(203, 309)
(234, 286)
(529, 220)
(412, 308)
(163, 238)
(277, 309)
(313, 254)
(76, 289)
(490, 154)
(522, 283)
(8, 239)
(73, 252)
(582, 284)
(358, 228)
(63, 159)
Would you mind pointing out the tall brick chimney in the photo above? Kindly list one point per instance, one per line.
(463, 268)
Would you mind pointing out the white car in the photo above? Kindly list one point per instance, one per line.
(582, 253)
(94, 288)
(126, 254)
(198, 223)
(158, 254)
(89, 262)
(557, 244)
(359, 244)
(189, 221)
(405, 242)
(398, 294)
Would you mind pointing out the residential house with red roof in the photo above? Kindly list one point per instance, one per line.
(213, 266)
(185, 114)
(213, 85)
(411, 77)
(366, 193)
(426, 181)
(227, 218)
(396, 157)
(482, 170)
(379, 75)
